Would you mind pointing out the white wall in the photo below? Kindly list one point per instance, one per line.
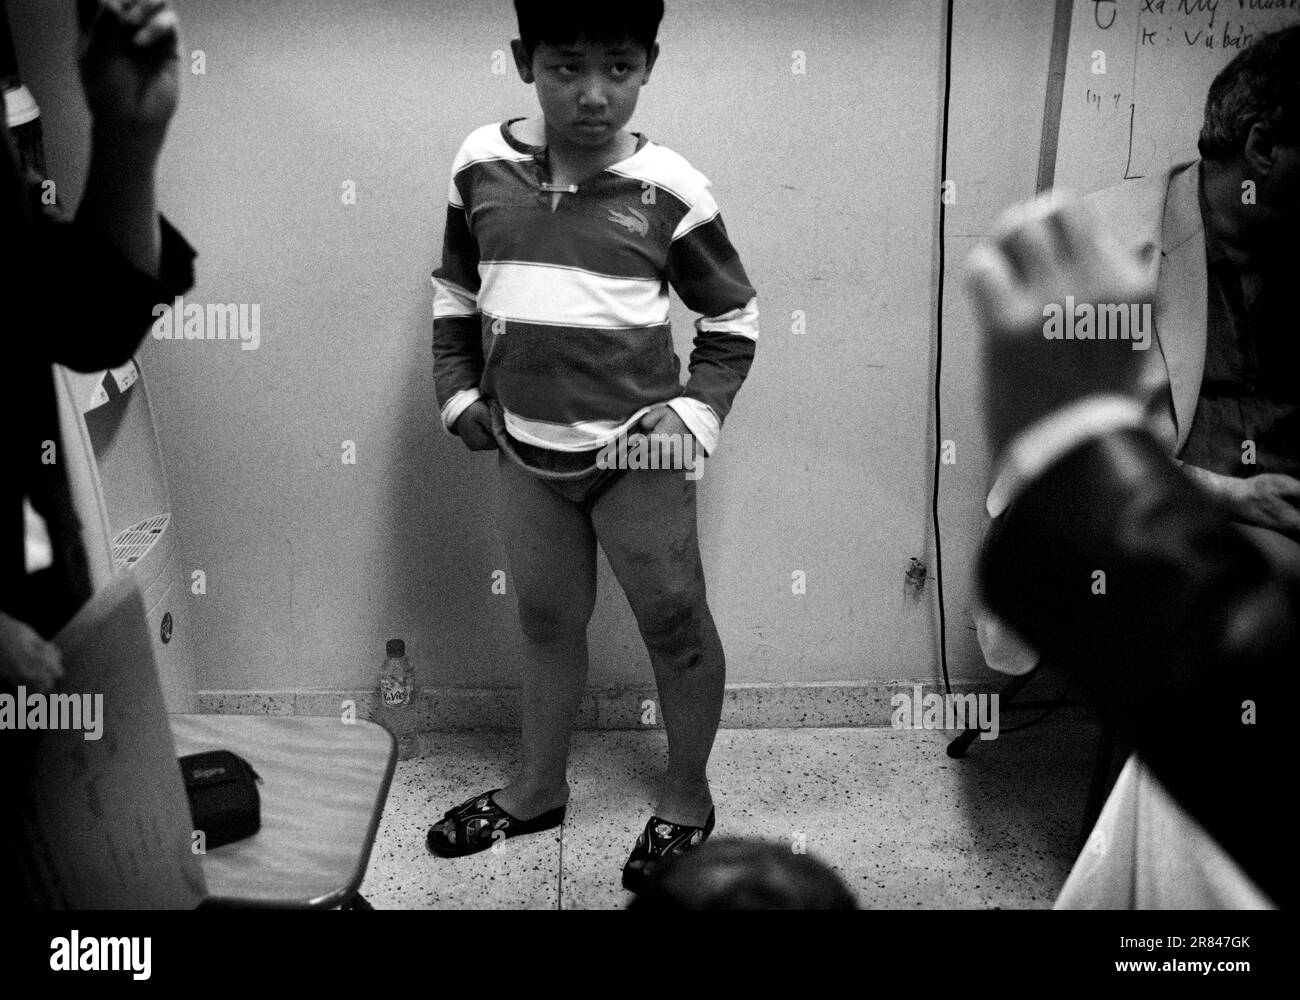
(829, 186)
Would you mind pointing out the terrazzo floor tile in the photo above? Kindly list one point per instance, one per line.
(521, 874)
(904, 825)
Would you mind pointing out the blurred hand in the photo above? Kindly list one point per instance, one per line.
(26, 658)
(474, 426)
(1040, 253)
(129, 51)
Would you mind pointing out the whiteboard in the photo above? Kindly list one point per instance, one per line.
(1143, 114)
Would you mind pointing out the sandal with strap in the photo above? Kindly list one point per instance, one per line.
(478, 823)
(659, 841)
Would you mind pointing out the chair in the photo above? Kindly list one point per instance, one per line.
(324, 784)
(1103, 764)
(107, 821)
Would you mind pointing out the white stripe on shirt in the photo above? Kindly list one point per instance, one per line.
(449, 299)
(743, 321)
(483, 144)
(569, 296)
(584, 436)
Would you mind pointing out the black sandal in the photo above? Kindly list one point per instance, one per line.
(478, 823)
(658, 841)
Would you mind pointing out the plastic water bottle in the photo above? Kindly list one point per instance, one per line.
(396, 702)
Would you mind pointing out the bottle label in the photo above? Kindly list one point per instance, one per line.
(394, 692)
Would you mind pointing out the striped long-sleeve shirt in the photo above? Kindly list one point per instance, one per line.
(557, 305)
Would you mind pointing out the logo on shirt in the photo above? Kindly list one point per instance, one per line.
(631, 220)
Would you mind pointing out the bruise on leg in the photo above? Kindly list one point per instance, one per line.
(646, 525)
(672, 629)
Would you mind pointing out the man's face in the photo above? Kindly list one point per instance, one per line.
(1272, 162)
(1284, 187)
(587, 90)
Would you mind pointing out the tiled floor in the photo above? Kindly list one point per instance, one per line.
(905, 826)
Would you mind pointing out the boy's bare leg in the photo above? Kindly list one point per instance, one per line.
(552, 554)
(645, 522)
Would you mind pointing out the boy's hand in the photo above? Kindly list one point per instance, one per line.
(663, 419)
(130, 70)
(474, 427)
(1040, 253)
(26, 658)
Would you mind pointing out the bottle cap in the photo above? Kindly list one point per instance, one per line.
(396, 647)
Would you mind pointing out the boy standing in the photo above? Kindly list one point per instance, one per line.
(551, 340)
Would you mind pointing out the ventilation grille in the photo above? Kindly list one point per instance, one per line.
(133, 544)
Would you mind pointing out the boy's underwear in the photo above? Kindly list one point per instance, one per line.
(574, 475)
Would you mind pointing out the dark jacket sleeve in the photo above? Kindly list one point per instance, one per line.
(103, 305)
(1123, 573)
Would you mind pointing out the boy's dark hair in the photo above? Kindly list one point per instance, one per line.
(743, 875)
(1261, 84)
(559, 22)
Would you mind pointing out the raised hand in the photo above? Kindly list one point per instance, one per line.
(1041, 253)
(129, 53)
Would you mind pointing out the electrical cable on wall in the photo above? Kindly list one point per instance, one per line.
(1046, 175)
(938, 357)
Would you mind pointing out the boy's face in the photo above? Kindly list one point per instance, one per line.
(587, 90)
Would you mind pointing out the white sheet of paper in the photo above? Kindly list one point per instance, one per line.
(125, 375)
(107, 820)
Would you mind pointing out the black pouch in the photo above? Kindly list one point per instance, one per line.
(224, 802)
